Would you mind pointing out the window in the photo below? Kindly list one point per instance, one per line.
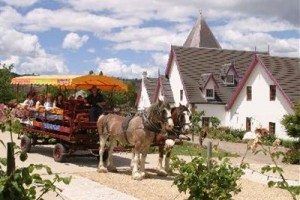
(181, 95)
(249, 93)
(248, 123)
(272, 126)
(205, 122)
(230, 79)
(210, 93)
(272, 92)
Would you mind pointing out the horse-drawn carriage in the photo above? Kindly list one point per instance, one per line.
(68, 127)
(151, 127)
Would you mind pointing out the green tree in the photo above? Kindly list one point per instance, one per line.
(91, 72)
(101, 73)
(291, 122)
(6, 88)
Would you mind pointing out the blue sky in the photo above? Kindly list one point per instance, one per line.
(125, 38)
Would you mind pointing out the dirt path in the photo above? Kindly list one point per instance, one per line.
(153, 187)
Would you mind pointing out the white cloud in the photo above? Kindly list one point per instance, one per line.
(74, 41)
(9, 17)
(12, 60)
(260, 42)
(13, 42)
(25, 51)
(20, 3)
(160, 59)
(148, 38)
(41, 19)
(115, 67)
(91, 50)
(43, 64)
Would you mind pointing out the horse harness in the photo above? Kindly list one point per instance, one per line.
(177, 130)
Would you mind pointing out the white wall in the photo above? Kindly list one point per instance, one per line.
(260, 108)
(209, 85)
(176, 85)
(144, 101)
(213, 110)
(160, 95)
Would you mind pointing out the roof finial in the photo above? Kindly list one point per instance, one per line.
(255, 49)
(268, 49)
(158, 72)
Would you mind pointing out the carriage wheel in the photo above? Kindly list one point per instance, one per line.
(59, 152)
(25, 144)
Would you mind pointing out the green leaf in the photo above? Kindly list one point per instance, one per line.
(2, 143)
(3, 161)
(271, 183)
(23, 156)
(67, 180)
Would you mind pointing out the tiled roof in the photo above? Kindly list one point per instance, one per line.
(192, 62)
(150, 84)
(203, 79)
(286, 71)
(166, 89)
(201, 36)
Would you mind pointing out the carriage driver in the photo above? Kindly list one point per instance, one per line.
(96, 100)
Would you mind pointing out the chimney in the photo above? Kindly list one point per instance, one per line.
(144, 75)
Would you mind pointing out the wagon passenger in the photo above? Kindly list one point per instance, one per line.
(96, 101)
(28, 101)
(40, 102)
(59, 101)
(48, 104)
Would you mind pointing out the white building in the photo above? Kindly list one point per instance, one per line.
(219, 82)
(146, 93)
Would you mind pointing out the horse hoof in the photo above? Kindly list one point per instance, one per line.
(137, 176)
(143, 174)
(112, 169)
(102, 170)
(162, 173)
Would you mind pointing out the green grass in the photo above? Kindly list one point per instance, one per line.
(189, 149)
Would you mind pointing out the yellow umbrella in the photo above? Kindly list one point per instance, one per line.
(56, 80)
(104, 83)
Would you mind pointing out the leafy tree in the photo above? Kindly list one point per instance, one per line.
(6, 88)
(291, 122)
(101, 73)
(91, 72)
(217, 182)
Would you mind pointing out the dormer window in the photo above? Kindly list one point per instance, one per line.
(230, 79)
(210, 94)
(229, 74)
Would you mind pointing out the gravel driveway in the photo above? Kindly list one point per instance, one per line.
(88, 184)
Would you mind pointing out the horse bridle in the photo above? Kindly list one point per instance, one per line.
(180, 125)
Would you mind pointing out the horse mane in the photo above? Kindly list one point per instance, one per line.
(154, 111)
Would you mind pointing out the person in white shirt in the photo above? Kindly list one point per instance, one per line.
(48, 103)
(28, 101)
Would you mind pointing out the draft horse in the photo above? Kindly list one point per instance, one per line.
(140, 133)
(182, 125)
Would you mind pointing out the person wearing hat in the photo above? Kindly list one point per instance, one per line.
(96, 101)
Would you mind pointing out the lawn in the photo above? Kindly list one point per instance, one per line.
(190, 149)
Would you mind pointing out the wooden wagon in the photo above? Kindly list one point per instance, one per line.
(68, 128)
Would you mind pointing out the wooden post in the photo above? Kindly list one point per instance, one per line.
(11, 165)
(193, 136)
(209, 155)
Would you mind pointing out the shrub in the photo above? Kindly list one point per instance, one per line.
(292, 157)
(215, 122)
(268, 139)
(226, 134)
(217, 182)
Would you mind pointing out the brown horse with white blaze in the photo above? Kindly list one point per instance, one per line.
(140, 133)
(182, 125)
